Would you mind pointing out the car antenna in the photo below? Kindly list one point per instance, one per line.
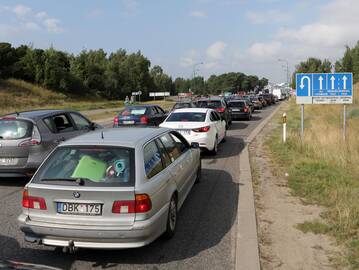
(102, 137)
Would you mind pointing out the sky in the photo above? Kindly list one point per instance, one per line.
(246, 36)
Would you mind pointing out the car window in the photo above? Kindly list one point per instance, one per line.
(152, 159)
(95, 165)
(186, 117)
(59, 123)
(181, 142)
(218, 117)
(213, 117)
(13, 129)
(159, 109)
(171, 147)
(80, 122)
(237, 104)
(134, 110)
(165, 156)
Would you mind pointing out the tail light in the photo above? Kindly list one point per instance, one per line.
(141, 204)
(31, 202)
(202, 129)
(115, 121)
(144, 119)
(245, 109)
(221, 110)
(35, 138)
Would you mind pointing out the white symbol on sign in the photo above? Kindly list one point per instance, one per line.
(321, 83)
(345, 82)
(333, 81)
(302, 84)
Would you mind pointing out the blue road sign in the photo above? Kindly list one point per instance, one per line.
(318, 87)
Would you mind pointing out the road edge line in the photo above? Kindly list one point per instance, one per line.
(247, 246)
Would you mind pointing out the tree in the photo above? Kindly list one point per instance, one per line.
(7, 59)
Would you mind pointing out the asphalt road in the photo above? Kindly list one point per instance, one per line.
(207, 223)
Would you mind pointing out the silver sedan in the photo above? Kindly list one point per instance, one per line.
(119, 188)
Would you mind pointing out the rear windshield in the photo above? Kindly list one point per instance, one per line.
(88, 165)
(237, 104)
(209, 104)
(187, 117)
(15, 129)
(134, 111)
(182, 105)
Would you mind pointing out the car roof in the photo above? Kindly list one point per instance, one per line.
(35, 114)
(194, 110)
(126, 137)
(211, 99)
(144, 105)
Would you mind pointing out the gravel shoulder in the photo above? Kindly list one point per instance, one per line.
(281, 244)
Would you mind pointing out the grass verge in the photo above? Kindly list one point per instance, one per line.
(323, 169)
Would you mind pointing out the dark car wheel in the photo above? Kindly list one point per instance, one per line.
(171, 218)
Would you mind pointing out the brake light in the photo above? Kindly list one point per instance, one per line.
(221, 110)
(202, 129)
(8, 118)
(245, 109)
(141, 204)
(144, 119)
(31, 202)
(115, 121)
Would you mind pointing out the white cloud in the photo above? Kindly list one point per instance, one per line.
(270, 16)
(198, 14)
(28, 20)
(216, 50)
(189, 59)
(264, 51)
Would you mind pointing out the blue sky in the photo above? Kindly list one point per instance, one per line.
(226, 35)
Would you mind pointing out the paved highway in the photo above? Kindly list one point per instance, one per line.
(205, 238)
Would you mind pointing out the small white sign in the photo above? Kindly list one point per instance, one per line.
(159, 94)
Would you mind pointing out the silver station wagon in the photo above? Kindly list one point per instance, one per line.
(110, 189)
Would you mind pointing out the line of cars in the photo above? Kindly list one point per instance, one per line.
(109, 188)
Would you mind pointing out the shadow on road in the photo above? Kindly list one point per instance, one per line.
(206, 217)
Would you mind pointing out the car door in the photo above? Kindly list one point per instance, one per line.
(81, 124)
(221, 124)
(161, 114)
(152, 116)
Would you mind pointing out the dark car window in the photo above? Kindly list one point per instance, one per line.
(153, 111)
(59, 123)
(159, 109)
(218, 116)
(236, 104)
(14, 129)
(133, 110)
(186, 117)
(213, 117)
(152, 159)
(80, 122)
(96, 165)
(209, 104)
(171, 147)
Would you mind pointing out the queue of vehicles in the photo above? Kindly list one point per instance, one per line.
(112, 188)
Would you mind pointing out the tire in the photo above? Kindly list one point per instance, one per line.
(171, 218)
(214, 151)
(225, 136)
(199, 173)
(249, 117)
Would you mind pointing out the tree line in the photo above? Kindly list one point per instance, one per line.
(348, 63)
(95, 73)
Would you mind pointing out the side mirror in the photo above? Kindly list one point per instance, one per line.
(195, 145)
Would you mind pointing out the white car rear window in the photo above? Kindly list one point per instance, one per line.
(187, 117)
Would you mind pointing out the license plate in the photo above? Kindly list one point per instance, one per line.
(128, 122)
(88, 209)
(185, 132)
(8, 161)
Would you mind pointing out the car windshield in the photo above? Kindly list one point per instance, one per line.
(187, 117)
(237, 104)
(13, 129)
(97, 166)
(209, 104)
(133, 111)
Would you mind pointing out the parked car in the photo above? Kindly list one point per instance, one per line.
(148, 115)
(249, 103)
(268, 98)
(185, 104)
(200, 125)
(256, 103)
(112, 189)
(26, 138)
(240, 109)
(218, 104)
(264, 102)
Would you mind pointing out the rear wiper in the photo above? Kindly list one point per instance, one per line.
(79, 181)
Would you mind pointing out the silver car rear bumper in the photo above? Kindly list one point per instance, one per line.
(142, 233)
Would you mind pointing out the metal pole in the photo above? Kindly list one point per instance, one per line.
(302, 122)
(345, 122)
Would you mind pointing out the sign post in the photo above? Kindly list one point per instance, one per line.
(345, 122)
(324, 88)
(302, 121)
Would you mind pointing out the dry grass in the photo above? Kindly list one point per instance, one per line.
(323, 169)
